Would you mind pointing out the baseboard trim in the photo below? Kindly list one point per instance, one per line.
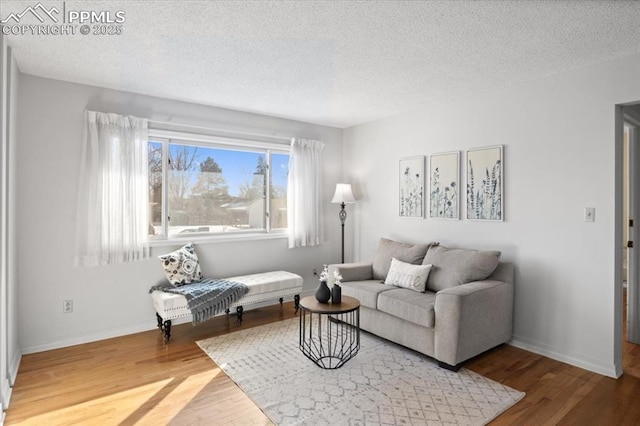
(91, 337)
(5, 396)
(14, 366)
(594, 365)
(7, 386)
(151, 324)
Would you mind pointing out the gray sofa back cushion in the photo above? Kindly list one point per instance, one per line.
(388, 249)
(452, 267)
(504, 272)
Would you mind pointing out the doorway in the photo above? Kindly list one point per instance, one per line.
(628, 238)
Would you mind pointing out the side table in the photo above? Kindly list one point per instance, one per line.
(329, 334)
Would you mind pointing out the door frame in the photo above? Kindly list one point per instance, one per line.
(633, 256)
(618, 229)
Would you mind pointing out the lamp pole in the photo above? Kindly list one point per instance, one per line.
(343, 217)
(343, 196)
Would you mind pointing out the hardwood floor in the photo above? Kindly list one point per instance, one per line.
(137, 379)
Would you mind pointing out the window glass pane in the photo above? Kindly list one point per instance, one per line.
(278, 203)
(155, 188)
(215, 190)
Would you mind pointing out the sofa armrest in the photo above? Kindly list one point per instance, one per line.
(472, 318)
(352, 271)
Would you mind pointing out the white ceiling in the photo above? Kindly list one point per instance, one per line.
(332, 63)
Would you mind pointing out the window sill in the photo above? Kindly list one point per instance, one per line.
(219, 238)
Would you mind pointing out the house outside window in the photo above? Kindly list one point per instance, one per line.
(207, 186)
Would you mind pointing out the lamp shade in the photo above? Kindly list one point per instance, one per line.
(343, 194)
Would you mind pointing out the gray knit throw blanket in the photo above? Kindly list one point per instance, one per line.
(206, 298)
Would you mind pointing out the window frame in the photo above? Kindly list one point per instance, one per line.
(170, 137)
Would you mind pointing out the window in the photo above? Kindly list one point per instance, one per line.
(199, 185)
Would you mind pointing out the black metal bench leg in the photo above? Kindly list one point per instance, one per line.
(166, 326)
(239, 311)
(296, 302)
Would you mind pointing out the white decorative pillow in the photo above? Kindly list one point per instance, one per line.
(409, 276)
(182, 266)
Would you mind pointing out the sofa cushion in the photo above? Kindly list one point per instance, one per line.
(365, 291)
(409, 305)
(452, 267)
(388, 249)
(353, 271)
(402, 274)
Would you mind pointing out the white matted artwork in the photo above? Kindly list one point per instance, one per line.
(444, 185)
(412, 187)
(485, 183)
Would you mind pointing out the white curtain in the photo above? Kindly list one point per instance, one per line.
(304, 193)
(113, 194)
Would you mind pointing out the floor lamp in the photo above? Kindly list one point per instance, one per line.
(343, 196)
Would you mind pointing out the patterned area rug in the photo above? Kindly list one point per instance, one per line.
(384, 384)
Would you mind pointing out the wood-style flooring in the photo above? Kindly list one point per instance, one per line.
(137, 379)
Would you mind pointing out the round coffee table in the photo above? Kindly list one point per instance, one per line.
(330, 334)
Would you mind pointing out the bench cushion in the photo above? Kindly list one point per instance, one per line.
(262, 287)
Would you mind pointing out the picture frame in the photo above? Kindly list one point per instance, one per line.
(444, 185)
(411, 187)
(485, 183)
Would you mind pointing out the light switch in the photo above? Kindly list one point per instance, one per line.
(589, 214)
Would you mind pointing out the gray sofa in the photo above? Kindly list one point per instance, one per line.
(466, 309)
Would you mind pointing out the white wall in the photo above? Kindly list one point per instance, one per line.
(14, 354)
(9, 349)
(558, 134)
(111, 301)
(4, 162)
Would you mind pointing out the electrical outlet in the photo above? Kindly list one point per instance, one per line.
(67, 306)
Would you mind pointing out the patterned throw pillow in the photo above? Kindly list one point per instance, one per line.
(409, 276)
(182, 266)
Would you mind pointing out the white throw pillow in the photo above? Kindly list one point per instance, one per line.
(409, 276)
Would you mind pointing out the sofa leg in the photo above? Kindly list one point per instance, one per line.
(239, 311)
(159, 319)
(296, 302)
(449, 367)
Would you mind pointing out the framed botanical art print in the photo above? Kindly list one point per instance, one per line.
(444, 185)
(411, 182)
(485, 183)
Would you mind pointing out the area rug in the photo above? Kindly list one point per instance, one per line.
(384, 383)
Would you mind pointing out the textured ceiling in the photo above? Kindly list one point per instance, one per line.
(333, 63)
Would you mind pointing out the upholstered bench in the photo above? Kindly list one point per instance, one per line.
(262, 287)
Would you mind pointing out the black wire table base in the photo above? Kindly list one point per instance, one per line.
(330, 339)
